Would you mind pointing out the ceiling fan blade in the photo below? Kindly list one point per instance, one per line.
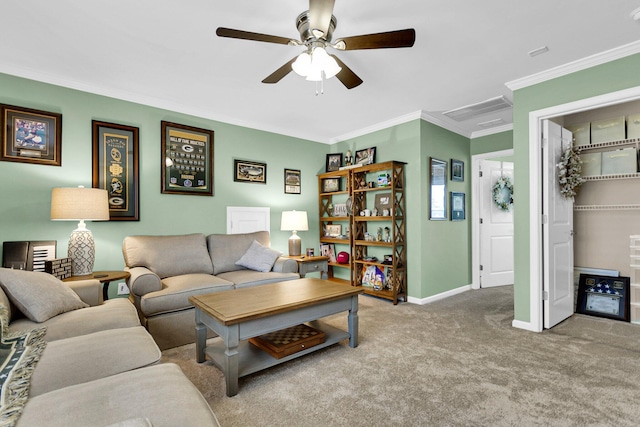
(278, 74)
(391, 39)
(320, 12)
(348, 78)
(247, 35)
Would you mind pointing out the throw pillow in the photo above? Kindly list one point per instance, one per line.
(40, 296)
(19, 353)
(259, 258)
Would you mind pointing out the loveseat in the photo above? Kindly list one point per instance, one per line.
(70, 359)
(167, 270)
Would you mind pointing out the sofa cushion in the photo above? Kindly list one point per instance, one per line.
(39, 296)
(113, 314)
(160, 393)
(258, 257)
(176, 291)
(168, 255)
(89, 357)
(246, 278)
(226, 249)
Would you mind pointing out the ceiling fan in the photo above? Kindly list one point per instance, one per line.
(316, 27)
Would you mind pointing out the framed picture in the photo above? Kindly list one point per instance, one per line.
(330, 185)
(115, 168)
(333, 230)
(383, 203)
(328, 250)
(30, 136)
(457, 206)
(291, 181)
(187, 160)
(340, 209)
(438, 189)
(604, 296)
(334, 162)
(246, 171)
(457, 170)
(366, 156)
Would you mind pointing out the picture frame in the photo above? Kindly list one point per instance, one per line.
(366, 156)
(604, 296)
(437, 189)
(247, 171)
(383, 202)
(457, 206)
(292, 181)
(340, 210)
(457, 170)
(328, 250)
(334, 162)
(30, 136)
(330, 185)
(187, 160)
(333, 230)
(115, 168)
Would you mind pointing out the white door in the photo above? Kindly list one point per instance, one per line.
(248, 219)
(557, 230)
(496, 228)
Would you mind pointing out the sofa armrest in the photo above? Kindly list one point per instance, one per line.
(89, 291)
(285, 265)
(142, 281)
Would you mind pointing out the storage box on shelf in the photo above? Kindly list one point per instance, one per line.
(634, 249)
(379, 230)
(334, 190)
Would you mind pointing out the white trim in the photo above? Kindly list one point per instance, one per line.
(475, 211)
(535, 182)
(492, 131)
(378, 126)
(579, 65)
(438, 297)
(523, 325)
(428, 117)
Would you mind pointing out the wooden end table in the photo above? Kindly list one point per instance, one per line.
(312, 264)
(239, 314)
(105, 277)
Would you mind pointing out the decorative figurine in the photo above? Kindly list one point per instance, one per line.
(379, 234)
(387, 234)
(348, 159)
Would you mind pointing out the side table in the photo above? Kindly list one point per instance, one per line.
(312, 264)
(105, 277)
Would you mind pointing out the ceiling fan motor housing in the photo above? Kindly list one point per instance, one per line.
(306, 33)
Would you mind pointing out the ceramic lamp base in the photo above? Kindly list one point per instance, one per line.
(82, 251)
(295, 245)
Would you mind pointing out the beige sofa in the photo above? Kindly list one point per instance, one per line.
(84, 362)
(167, 270)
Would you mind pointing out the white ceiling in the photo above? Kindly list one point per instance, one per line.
(165, 53)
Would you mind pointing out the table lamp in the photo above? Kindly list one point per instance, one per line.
(294, 221)
(80, 204)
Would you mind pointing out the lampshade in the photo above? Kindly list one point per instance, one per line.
(316, 64)
(294, 221)
(80, 204)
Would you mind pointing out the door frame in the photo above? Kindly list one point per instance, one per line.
(536, 265)
(475, 211)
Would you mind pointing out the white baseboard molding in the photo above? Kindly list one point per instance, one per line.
(523, 325)
(433, 298)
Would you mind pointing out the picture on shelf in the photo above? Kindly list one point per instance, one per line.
(334, 162)
(333, 230)
(373, 277)
(340, 209)
(328, 250)
(330, 185)
(366, 156)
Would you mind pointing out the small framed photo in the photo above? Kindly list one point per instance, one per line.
(328, 250)
(30, 136)
(340, 209)
(187, 160)
(246, 171)
(604, 296)
(334, 162)
(366, 156)
(457, 206)
(330, 185)
(333, 230)
(457, 170)
(383, 203)
(292, 181)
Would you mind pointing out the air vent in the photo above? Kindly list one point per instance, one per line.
(491, 123)
(469, 111)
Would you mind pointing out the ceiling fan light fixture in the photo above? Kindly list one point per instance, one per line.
(321, 61)
(302, 65)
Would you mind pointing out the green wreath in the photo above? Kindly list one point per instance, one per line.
(503, 193)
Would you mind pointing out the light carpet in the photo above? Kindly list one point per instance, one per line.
(455, 362)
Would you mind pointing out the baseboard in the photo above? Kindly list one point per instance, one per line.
(523, 325)
(433, 298)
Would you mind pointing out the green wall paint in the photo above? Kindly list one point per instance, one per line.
(490, 143)
(26, 188)
(610, 77)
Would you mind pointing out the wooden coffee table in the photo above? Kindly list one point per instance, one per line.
(240, 314)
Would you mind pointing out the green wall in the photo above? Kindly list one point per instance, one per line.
(26, 188)
(491, 143)
(610, 77)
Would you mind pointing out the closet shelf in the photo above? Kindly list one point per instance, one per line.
(610, 177)
(609, 144)
(606, 207)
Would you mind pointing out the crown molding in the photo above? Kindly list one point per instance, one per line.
(378, 126)
(435, 120)
(579, 65)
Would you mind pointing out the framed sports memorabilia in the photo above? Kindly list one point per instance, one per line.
(115, 168)
(604, 296)
(292, 181)
(30, 136)
(187, 160)
(245, 171)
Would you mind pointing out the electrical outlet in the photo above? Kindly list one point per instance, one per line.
(123, 289)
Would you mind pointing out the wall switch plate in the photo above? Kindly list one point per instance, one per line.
(123, 289)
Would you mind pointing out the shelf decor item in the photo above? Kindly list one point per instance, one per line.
(570, 172)
(503, 193)
(334, 162)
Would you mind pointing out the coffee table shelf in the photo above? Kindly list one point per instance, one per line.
(252, 359)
